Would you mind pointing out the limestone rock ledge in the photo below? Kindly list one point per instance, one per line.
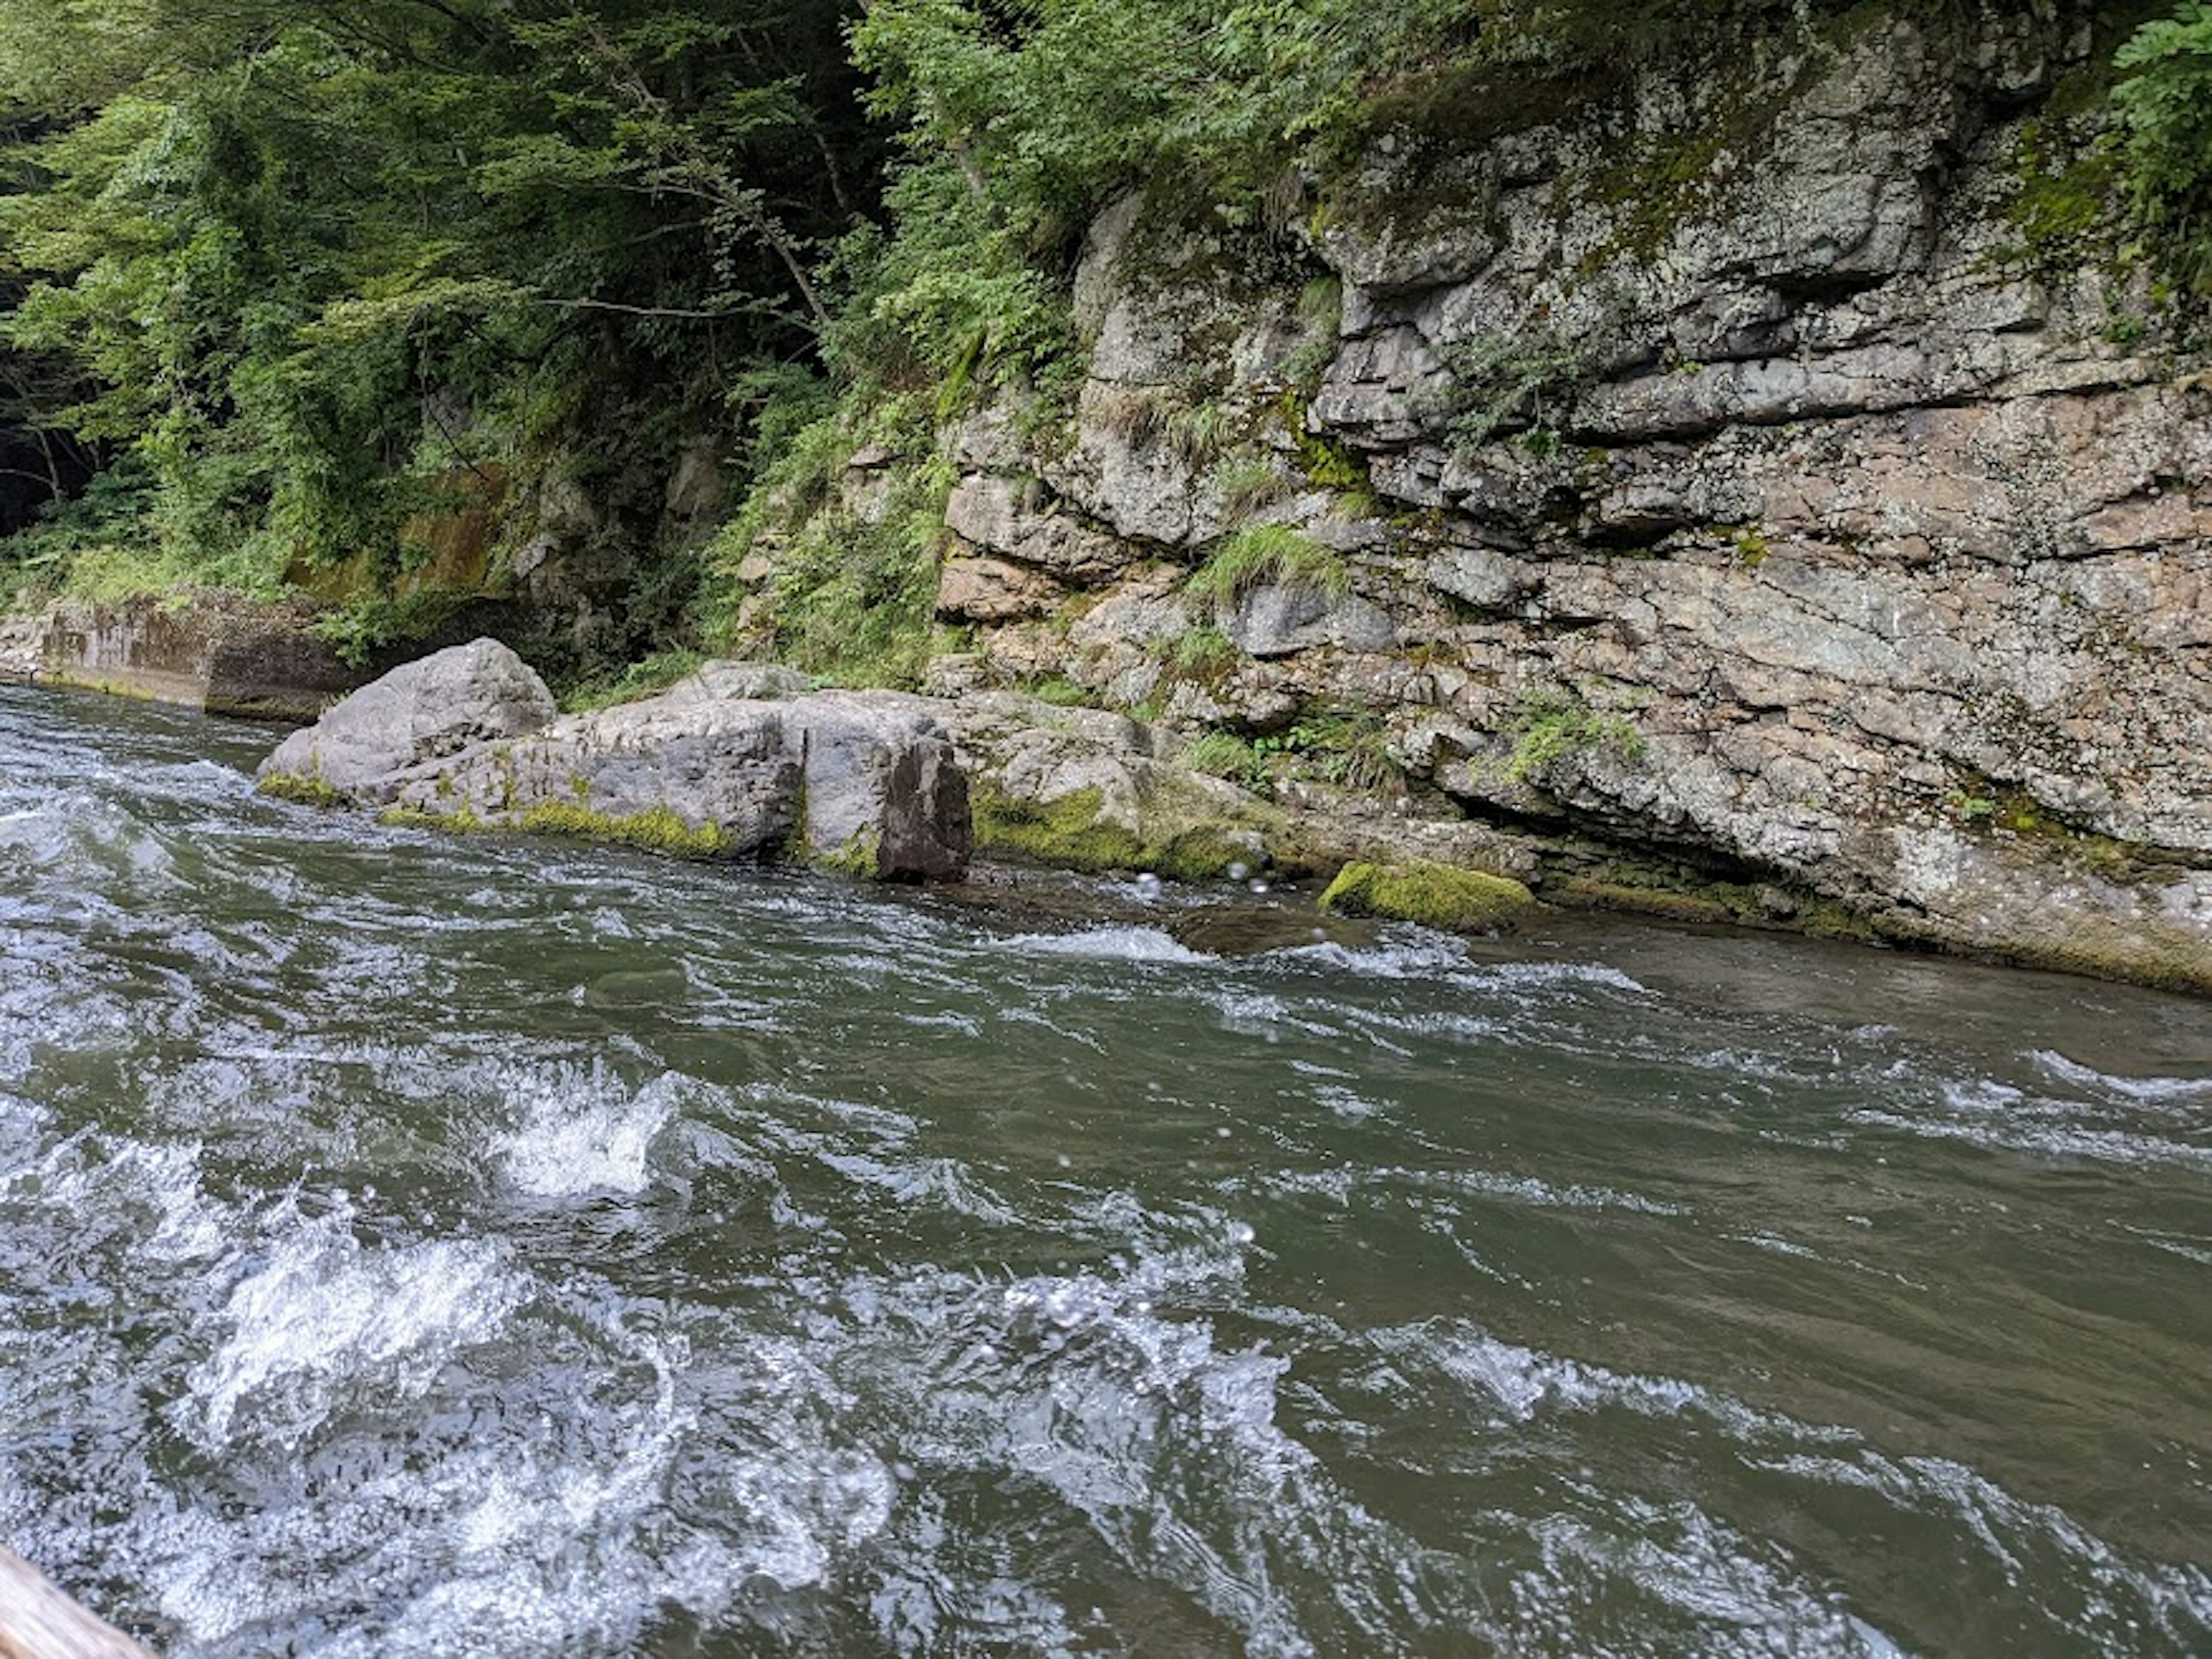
(864, 782)
(1719, 486)
(217, 653)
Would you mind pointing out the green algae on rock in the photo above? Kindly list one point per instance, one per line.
(1434, 895)
(1073, 833)
(299, 788)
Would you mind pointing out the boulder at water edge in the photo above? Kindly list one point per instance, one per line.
(423, 712)
(864, 782)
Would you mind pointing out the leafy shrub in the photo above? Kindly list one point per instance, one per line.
(2165, 109)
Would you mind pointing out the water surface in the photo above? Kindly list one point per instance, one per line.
(413, 1246)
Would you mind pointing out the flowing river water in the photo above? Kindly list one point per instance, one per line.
(413, 1246)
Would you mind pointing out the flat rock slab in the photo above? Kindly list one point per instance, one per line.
(226, 656)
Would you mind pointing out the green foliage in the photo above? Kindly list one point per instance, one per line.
(1349, 749)
(647, 678)
(851, 597)
(2165, 109)
(1203, 652)
(322, 274)
(1524, 381)
(1248, 483)
(1061, 693)
(1263, 554)
(1550, 726)
(1225, 754)
(1048, 108)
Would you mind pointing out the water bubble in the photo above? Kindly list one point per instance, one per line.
(1260, 888)
(1064, 1161)
(1223, 1132)
(1240, 1233)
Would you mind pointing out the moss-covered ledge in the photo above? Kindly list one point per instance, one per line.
(1433, 895)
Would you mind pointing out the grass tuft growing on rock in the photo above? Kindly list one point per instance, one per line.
(1268, 555)
(658, 831)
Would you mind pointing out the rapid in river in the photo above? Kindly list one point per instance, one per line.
(420, 1246)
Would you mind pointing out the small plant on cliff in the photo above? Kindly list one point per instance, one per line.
(1509, 382)
(1264, 554)
(645, 678)
(1551, 725)
(1205, 653)
(2165, 107)
(1225, 754)
(1248, 483)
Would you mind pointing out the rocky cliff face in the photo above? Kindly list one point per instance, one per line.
(1756, 479)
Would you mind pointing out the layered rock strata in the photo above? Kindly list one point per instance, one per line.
(1732, 474)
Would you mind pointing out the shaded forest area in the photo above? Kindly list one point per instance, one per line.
(404, 304)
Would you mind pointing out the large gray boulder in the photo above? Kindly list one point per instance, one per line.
(439, 706)
(863, 782)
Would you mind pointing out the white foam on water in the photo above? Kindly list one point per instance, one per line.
(323, 1313)
(148, 1196)
(80, 832)
(1551, 976)
(1523, 1383)
(584, 1131)
(2116, 1603)
(1147, 945)
(1983, 1124)
(1411, 955)
(1680, 1570)
(2173, 1091)
(941, 1182)
(1544, 1194)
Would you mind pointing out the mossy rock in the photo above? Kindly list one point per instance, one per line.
(1434, 895)
(299, 789)
(1068, 833)
(1645, 902)
(658, 831)
(860, 859)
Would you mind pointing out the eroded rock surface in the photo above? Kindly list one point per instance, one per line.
(737, 761)
(1725, 478)
(421, 714)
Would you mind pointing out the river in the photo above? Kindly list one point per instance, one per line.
(418, 1246)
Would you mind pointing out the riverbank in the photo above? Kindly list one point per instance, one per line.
(1056, 785)
(746, 760)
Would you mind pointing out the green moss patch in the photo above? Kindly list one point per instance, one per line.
(658, 831)
(1068, 834)
(300, 789)
(860, 858)
(1434, 895)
